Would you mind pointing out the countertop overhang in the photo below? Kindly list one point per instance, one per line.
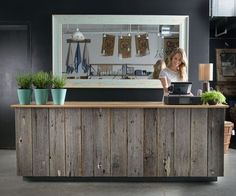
(115, 104)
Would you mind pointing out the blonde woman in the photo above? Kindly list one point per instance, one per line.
(176, 70)
(158, 66)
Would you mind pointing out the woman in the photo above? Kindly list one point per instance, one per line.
(176, 70)
(160, 64)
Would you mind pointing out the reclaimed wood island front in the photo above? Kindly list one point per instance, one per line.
(120, 139)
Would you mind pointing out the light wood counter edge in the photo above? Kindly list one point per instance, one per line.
(115, 104)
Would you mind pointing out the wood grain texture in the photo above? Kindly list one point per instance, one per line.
(57, 142)
(73, 142)
(165, 141)
(23, 141)
(88, 121)
(182, 143)
(135, 142)
(102, 156)
(40, 132)
(216, 142)
(199, 142)
(119, 144)
(150, 150)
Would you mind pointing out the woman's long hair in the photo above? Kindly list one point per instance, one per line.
(160, 64)
(183, 66)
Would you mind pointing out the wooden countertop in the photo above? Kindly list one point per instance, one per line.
(115, 104)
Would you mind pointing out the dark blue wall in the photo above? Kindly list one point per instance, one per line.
(38, 15)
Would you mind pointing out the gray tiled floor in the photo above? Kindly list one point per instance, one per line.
(12, 185)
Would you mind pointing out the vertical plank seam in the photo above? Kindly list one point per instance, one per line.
(142, 134)
(157, 131)
(127, 141)
(80, 143)
(64, 134)
(111, 130)
(144, 143)
(109, 140)
(126, 132)
(94, 113)
(16, 140)
(208, 132)
(190, 142)
(33, 121)
(49, 147)
(31, 141)
(65, 139)
(191, 135)
(223, 118)
(173, 138)
(173, 113)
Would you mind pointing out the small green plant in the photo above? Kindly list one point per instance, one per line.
(42, 80)
(58, 82)
(213, 96)
(24, 81)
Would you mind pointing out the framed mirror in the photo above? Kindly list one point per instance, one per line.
(114, 51)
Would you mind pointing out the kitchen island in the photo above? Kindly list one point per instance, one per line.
(120, 139)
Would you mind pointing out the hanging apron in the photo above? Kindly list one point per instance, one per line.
(77, 58)
(85, 61)
(69, 60)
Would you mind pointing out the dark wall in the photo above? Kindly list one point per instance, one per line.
(39, 15)
(220, 40)
(14, 53)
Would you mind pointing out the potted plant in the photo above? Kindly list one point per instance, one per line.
(213, 97)
(24, 92)
(58, 90)
(42, 82)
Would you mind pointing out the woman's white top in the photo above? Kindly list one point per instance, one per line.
(170, 75)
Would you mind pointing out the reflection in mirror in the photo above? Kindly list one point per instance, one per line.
(114, 51)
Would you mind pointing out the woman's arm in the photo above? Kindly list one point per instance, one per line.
(164, 84)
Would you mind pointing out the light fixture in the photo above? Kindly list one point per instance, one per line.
(205, 74)
(77, 35)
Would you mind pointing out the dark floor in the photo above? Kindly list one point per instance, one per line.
(12, 185)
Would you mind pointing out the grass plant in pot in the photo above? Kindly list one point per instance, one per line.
(42, 82)
(24, 92)
(58, 90)
(213, 97)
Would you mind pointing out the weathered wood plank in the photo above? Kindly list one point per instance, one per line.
(150, 142)
(135, 142)
(88, 122)
(119, 142)
(23, 141)
(40, 132)
(182, 143)
(165, 142)
(198, 142)
(73, 142)
(102, 156)
(57, 142)
(216, 142)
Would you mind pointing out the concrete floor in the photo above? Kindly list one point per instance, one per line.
(12, 185)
